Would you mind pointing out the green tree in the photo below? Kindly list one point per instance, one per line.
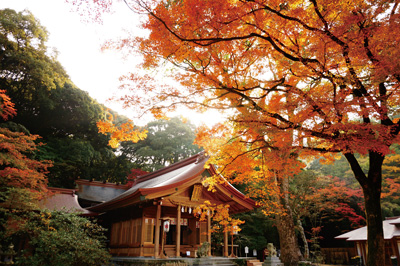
(51, 106)
(167, 142)
(323, 207)
(258, 230)
(72, 113)
(27, 71)
(339, 168)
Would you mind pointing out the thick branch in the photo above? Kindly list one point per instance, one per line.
(356, 168)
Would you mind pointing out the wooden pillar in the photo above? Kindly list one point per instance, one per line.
(163, 256)
(394, 247)
(226, 251)
(397, 245)
(364, 251)
(209, 233)
(142, 235)
(178, 232)
(157, 233)
(232, 253)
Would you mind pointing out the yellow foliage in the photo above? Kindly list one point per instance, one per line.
(124, 132)
(220, 214)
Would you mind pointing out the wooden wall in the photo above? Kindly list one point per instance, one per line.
(338, 255)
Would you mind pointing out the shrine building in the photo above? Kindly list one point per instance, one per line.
(135, 213)
(391, 236)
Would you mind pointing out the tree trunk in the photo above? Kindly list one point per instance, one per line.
(372, 186)
(376, 245)
(290, 252)
(303, 237)
(372, 197)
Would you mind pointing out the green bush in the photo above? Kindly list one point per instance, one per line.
(59, 238)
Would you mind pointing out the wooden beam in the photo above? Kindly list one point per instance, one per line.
(157, 233)
(178, 231)
(178, 198)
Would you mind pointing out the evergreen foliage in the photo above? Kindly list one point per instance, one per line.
(50, 105)
(167, 142)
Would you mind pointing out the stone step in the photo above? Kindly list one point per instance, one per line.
(220, 263)
(213, 262)
(254, 262)
(259, 263)
(217, 260)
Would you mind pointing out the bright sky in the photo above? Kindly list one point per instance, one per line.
(79, 44)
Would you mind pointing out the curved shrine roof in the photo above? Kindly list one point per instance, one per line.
(166, 181)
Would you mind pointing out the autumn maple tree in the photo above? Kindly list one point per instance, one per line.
(18, 170)
(264, 170)
(22, 179)
(223, 221)
(326, 71)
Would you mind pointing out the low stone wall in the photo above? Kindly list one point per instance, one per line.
(209, 261)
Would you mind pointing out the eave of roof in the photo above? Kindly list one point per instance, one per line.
(62, 199)
(239, 194)
(389, 231)
(394, 220)
(234, 190)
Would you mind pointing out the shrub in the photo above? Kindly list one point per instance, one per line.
(59, 238)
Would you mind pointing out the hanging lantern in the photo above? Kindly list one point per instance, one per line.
(190, 210)
(182, 209)
(166, 226)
